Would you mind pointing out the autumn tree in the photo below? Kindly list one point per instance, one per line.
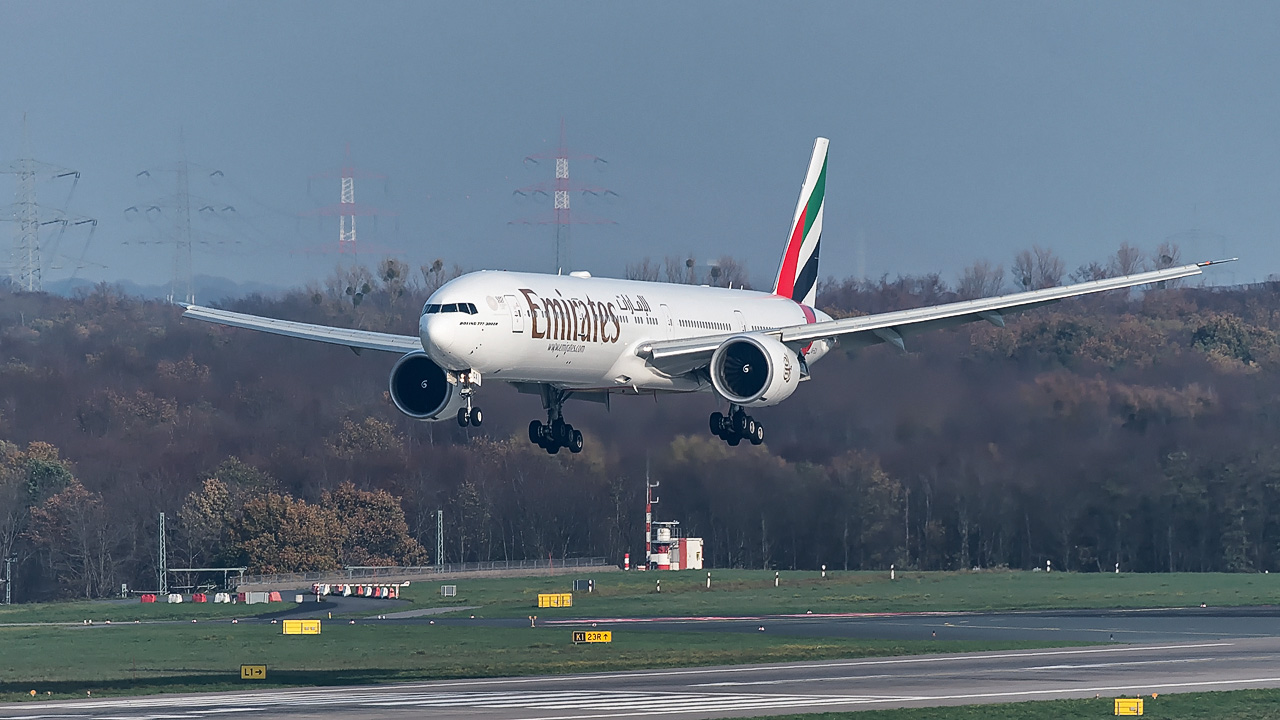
(377, 533)
(73, 531)
(277, 533)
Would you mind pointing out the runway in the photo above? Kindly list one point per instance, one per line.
(1184, 650)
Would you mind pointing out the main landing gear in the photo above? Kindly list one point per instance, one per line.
(469, 415)
(555, 433)
(736, 427)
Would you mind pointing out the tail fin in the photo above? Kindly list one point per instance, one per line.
(798, 274)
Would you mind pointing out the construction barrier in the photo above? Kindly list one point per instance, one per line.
(555, 600)
(199, 597)
(274, 597)
(149, 598)
(385, 592)
(222, 597)
(174, 598)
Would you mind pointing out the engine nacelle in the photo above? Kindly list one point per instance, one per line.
(755, 370)
(421, 389)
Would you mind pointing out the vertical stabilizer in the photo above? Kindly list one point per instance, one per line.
(798, 274)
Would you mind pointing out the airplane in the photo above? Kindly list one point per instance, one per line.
(590, 338)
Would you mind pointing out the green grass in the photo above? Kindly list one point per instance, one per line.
(100, 611)
(140, 659)
(1232, 705)
(745, 592)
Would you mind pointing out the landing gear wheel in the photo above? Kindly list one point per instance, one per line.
(733, 440)
(552, 447)
(464, 417)
(476, 417)
(758, 436)
(575, 442)
(535, 432)
(717, 424)
(740, 423)
(561, 432)
(751, 427)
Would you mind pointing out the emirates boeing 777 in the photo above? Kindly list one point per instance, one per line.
(577, 336)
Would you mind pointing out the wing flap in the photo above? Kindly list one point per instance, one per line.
(354, 339)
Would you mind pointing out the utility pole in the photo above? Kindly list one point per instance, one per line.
(181, 234)
(559, 192)
(29, 257)
(164, 561)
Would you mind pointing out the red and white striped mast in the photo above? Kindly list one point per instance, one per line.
(649, 500)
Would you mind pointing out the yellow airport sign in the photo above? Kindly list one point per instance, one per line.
(253, 672)
(1128, 706)
(555, 600)
(592, 636)
(301, 627)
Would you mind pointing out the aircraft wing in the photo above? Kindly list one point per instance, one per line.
(357, 340)
(681, 356)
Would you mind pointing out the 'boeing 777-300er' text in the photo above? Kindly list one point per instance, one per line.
(563, 336)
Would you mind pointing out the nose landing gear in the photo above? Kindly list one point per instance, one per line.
(469, 415)
(736, 427)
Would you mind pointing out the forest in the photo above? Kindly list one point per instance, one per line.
(1134, 428)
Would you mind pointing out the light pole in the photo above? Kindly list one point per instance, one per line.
(8, 579)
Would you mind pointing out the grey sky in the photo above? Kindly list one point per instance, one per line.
(958, 130)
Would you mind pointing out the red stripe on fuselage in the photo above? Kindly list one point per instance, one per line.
(787, 276)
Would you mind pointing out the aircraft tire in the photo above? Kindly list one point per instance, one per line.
(733, 440)
(476, 417)
(535, 432)
(576, 442)
(758, 436)
(717, 424)
(464, 417)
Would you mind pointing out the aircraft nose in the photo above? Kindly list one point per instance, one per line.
(440, 340)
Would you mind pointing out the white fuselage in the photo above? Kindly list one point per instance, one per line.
(582, 332)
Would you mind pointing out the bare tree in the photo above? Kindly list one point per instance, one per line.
(1168, 255)
(645, 269)
(727, 272)
(1038, 268)
(1127, 260)
(1049, 268)
(680, 271)
(981, 280)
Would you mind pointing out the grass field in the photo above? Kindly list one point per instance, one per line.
(137, 659)
(746, 592)
(1234, 705)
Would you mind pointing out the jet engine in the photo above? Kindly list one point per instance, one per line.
(755, 370)
(421, 389)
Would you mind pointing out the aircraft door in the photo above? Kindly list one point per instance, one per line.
(517, 314)
(665, 316)
(739, 322)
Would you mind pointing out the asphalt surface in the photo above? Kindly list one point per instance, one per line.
(1183, 650)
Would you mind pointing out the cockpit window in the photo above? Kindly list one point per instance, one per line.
(433, 308)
